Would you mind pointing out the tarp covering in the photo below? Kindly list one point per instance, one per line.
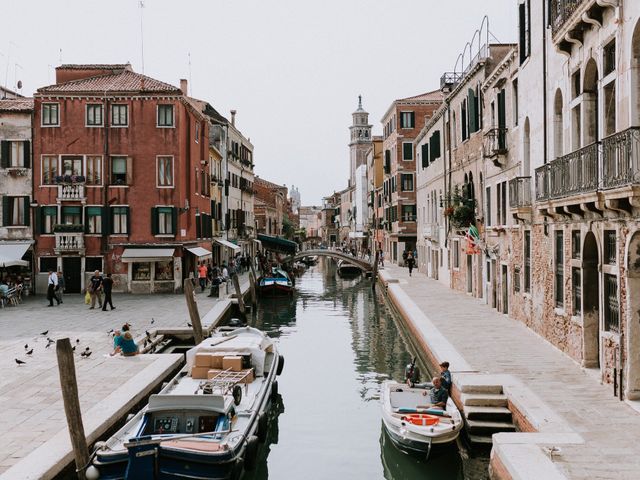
(11, 254)
(278, 244)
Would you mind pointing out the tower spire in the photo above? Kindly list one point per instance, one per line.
(359, 102)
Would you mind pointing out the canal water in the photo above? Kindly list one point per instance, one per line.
(340, 342)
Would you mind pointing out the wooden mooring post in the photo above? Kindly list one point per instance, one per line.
(194, 315)
(374, 273)
(236, 285)
(69, 386)
(252, 289)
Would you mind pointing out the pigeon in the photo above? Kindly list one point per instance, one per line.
(87, 354)
(153, 321)
(26, 345)
(48, 344)
(30, 352)
(77, 340)
(87, 349)
(73, 348)
(189, 325)
(110, 331)
(20, 362)
(147, 333)
(44, 333)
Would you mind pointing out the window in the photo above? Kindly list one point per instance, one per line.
(464, 119)
(164, 270)
(407, 119)
(163, 221)
(559, 269)
(71, 215)
(406, 182)
(50, 115)
(94, 220)
(165, 172)
(71, 166)
(197, 135)
(408, 213)
(576, 88)
(514, 100)
(502, 203)
(527, 261)
(407, 151)
(455, 251)
(94, 170)
(48, 264)
(516, 279)
(16, 157)
(611, 306)
(48, 218)
(610, 247)
(141, 271)
(524, 11)
(609, 57)
(49, 169)
(576, 289)
(119, 115)
(487, 214)
(165, 115)
(121, 173)
(94, 115)
(91, 264)
(575, 244)
(15, 154)
(15, 211)
(120, 220)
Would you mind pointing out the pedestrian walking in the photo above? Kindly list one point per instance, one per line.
(410, 263)
(60, 288)
(202, 276)
(405, 254)
(52, 284)
(95, 289)
(107, 286)
(381, 258)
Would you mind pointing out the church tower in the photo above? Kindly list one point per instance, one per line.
(360, 140)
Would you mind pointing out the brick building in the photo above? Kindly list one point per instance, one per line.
(270, 207)
(121, 179)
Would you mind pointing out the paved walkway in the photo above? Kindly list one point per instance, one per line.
(493, 343)
(30, 397)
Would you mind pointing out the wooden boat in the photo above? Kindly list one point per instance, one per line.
(413, 425)
(208, 421)
(310, 260)
(277, 282)
(346, 269)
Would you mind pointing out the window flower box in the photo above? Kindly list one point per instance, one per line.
(68, 228)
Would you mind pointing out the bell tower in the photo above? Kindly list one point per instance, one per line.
(360, 140)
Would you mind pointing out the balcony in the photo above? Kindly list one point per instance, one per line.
(603, 175)
(71, 192)
(67, 242)
(571, 18)
(495, 145)
(430, 231)
(449, 80)
(520, 197)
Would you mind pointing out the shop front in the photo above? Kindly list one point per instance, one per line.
(152, 270)
(196, 256)
(15, 265)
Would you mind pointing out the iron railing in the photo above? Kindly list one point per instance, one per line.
(495, 142)
(621, 158)
(561, 12)
(450, 79)
(542, 183)
(520, 192)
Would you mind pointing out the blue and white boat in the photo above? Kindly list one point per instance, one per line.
(207, 422)
(277, 282)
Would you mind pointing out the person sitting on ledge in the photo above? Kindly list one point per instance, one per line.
(438, 395)
(445, 374)
(127, 345)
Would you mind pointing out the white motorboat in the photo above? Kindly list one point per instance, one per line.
(413, 425)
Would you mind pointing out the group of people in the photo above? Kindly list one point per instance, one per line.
(124, 343)
(211, 274)
(440, 386)
(97, 286)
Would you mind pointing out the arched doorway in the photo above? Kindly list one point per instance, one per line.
(590, 104)
(558, 126)
(526, 145)
(635, 77)
(632, 374)
(590, 303)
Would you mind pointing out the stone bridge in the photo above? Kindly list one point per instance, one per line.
(364, 265)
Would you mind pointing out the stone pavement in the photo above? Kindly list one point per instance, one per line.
(492, 342)
(30, 397)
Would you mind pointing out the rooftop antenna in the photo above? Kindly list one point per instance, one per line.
(141, 4)
(17, 83)
(60, 57)
(190, 82)
(6, 72)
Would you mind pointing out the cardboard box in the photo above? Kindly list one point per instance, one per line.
(232, 362)
(202, 360)
(216, 360)
(199, 373)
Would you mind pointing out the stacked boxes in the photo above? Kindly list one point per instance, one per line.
(208, 365)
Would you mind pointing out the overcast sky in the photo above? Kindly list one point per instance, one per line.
(291, 68)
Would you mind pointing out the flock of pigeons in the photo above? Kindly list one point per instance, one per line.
(86, 353)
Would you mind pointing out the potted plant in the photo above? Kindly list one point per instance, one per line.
(68, 228)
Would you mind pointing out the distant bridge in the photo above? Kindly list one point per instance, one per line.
(364, 265)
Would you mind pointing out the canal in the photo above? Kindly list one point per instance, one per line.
(340, 342)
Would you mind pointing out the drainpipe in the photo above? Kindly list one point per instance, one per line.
(104, 239)
(544, 84)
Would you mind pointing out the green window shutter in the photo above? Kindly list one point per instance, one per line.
(128, 213)
(435, 145)
(174, 220)
(198, 226)
(37, 220)
(473, 111)
(105, 212)
(413, 119)
(502, 120)
(27, 154)
(407, 151)
(425, 155)
(4, 154)
(6, 210)
(27, 211)
(154, 221)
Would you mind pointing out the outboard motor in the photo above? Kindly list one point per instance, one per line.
(412, 373)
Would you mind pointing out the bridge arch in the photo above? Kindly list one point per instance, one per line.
(364, 265)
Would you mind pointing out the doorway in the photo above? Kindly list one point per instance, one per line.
(590, 303)
(469, 274)
(72, 272)
(632, 384)
(493, 284)
(505, 290)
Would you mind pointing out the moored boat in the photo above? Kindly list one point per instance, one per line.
(346, 269)
(277, 282)
(310, 260)
(412, 424)
(208, 421)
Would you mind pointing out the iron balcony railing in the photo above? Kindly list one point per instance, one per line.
(450, 79)
(542, 183)
(520, 192)
(561, 12)
(621, 158)
(495, 142)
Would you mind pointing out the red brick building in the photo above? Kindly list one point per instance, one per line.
(121, 179)
(270, 206)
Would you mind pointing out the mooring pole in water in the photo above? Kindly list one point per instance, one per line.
(252, 288)
(236, 285)
(69, 386)
(194, 315)
(374, 274)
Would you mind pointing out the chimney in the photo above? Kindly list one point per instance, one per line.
(233, 118)
(183, 85)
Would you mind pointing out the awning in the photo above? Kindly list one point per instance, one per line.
(200, 252)
(147, 254)
(277, 244)
(227, 244)
(11, 254)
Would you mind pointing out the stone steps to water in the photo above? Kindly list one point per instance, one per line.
(485, 409)
(480, 427)
(498, 414)
(483, 399)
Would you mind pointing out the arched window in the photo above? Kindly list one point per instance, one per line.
(558, 125)
(526, 145)
(591, 130)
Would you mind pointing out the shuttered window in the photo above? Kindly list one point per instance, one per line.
(15, 211)
(434, 146)
(93, 220)
(424, 152)
(120, 220)
(559, 269)
(15, 154)
(407, 151)
(164, 220)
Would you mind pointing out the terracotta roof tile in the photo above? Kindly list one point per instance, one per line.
(267, 183)
(434, 95)
(94, 66)
(125, 82)
(16, 105)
